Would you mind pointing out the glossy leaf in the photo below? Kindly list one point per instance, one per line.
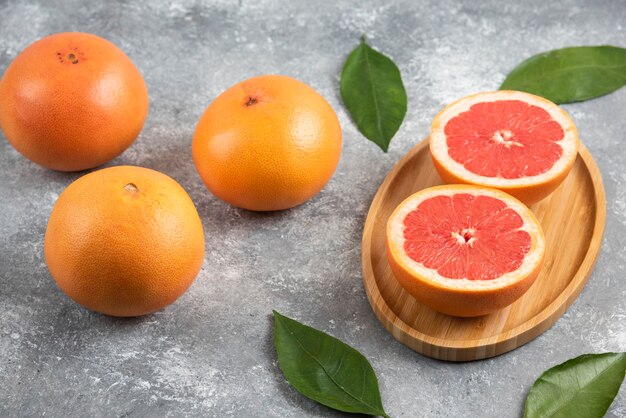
(372, 90)
(571, 74)
(325, 369)
(581, 387)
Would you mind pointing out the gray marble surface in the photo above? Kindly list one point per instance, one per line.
(211, 353)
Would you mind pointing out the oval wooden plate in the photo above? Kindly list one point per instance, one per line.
(573, 219)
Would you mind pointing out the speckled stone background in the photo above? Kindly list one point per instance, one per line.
(211, 353)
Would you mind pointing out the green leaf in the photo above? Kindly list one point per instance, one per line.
(571, 74)
(581, 387)
(325, 369)
(372, 90)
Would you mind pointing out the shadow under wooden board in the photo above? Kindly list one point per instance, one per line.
(572, 218)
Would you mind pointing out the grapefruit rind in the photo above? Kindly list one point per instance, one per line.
(439, 147)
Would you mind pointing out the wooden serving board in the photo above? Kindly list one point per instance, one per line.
(573, 219)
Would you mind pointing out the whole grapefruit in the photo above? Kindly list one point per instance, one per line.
(268, 143)
(124, 241)
(72, 101)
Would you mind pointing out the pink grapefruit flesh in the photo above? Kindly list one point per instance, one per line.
(464, 236)
(505, 138)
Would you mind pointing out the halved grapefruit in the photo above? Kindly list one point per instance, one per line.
(517, 142)
(464, 250)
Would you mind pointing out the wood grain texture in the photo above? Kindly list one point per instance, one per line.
(573, 219)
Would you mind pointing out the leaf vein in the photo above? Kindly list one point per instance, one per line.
(374, 93)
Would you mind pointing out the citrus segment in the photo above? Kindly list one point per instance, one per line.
(515, 141)
(464, 250)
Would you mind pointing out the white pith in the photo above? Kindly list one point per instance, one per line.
(439, 148)
(395, 232)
